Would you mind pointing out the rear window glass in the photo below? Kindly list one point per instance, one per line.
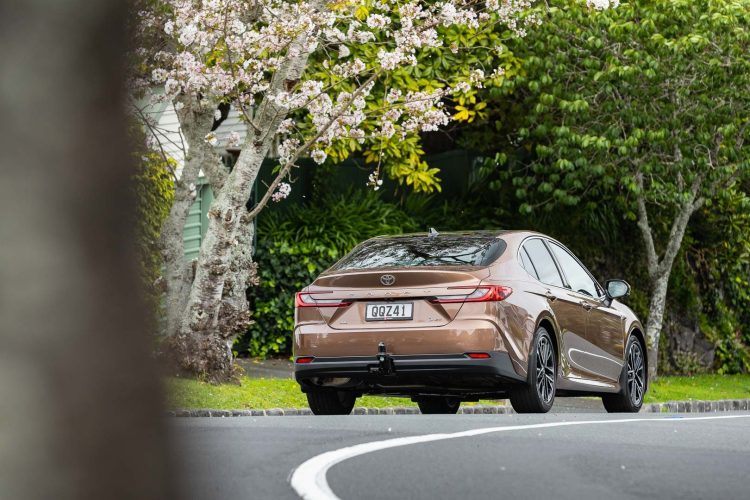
(416, 252)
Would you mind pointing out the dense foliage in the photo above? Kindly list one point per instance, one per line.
(639, 114)
(153, 186)
(652, 88)
(720, 257)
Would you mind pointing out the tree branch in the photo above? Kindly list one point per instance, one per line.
(213, 166)
(644, 226)
(677, 232)
(163, 153)
(289, 164)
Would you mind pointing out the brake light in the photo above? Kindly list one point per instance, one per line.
(481, 293)
(304, 359)
(306, 299)
(478, 355)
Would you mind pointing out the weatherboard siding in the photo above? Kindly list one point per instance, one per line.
(197, 222)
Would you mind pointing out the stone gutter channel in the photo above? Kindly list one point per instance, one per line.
(668, 407)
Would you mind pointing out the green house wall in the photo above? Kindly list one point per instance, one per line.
(197, 222)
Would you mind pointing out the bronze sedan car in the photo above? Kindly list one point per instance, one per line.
(445, 318)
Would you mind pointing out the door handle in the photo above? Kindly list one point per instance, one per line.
(550, 296)
(586, 305)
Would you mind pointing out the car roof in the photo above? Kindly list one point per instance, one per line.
(488, 233)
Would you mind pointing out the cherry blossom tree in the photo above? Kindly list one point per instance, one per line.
(322, 79)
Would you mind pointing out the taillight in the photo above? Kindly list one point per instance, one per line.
(481, 293)
(306, 299)
(304, 359)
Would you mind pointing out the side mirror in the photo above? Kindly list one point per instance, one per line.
(617, 288)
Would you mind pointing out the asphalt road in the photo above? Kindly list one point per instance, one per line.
(679, 457)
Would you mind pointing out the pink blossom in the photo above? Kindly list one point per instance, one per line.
(319, 156)
(254, 40)
(281, 192)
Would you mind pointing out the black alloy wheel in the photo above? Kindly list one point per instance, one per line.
(538, 394)
(632, 381)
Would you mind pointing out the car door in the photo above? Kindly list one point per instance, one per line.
(604, 325)
(570, 315)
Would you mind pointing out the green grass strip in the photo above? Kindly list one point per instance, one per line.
(253, 393)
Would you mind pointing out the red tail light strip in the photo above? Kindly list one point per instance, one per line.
(304, 359)
(478, 355)
(481, 293)
(306, 299)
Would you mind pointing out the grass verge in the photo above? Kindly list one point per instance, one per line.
(285, 393)
(252, 393)
(700, 387)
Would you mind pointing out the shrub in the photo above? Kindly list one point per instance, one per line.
(724, 331)
(153, 188)
(296, 245)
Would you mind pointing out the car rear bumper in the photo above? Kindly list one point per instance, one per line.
(460, 336)
(440, 371)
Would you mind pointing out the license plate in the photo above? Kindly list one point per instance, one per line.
(389, 311)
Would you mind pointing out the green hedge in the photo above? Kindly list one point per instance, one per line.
(296, 245)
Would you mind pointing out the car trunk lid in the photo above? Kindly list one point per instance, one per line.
(355, 290)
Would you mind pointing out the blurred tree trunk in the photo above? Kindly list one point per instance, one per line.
(80, 412)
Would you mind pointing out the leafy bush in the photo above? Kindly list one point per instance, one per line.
(724, 331)
(296, 245)
(153, 188)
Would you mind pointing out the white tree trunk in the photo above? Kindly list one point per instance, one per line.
(196, 120)
(659, 269)
(216, 310)
(209, 326)
(655, 320)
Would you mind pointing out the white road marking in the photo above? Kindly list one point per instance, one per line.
(309, 479)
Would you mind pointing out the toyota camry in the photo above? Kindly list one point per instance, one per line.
(463, 316)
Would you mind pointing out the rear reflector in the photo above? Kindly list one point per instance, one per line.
(481, 293)
(306, 299)
(304, 359)
(478, 355)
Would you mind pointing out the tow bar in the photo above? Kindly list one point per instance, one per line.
(385, 362)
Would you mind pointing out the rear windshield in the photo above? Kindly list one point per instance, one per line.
(417, 252)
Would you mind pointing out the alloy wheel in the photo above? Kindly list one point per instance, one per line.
(636, 373)
(545, 369)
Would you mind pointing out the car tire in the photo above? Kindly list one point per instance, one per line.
(438, 405)
(632, 381)
(331, 402)
(538, 394)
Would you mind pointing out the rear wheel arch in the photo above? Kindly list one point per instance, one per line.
(638, 334)
(548, 324)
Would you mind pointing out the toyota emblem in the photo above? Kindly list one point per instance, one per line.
(388, 279)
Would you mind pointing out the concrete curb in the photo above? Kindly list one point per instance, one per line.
(668, 407)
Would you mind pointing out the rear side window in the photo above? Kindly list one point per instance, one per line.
(542, 261)
(578, 277)
(423, 251)
(526, 263)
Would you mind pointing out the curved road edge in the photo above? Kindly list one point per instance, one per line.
(667, 407)
(309, 479)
